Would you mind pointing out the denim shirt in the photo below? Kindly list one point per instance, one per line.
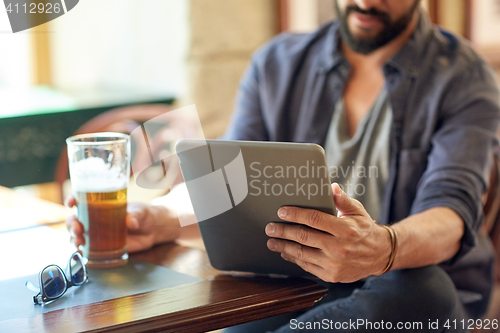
(445, 103)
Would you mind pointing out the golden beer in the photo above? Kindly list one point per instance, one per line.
(103, 217)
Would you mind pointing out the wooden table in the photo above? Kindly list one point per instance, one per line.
(216, 302)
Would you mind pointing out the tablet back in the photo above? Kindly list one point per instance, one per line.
(237, 187)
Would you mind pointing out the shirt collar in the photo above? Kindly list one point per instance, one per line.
(331, 55)
(406, 60)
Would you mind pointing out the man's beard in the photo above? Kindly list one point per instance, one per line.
(390, 30)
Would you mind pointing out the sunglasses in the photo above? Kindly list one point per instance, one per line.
(54, 282)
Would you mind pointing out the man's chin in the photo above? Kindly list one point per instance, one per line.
(362, 45)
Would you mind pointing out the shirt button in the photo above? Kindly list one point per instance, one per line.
(398, 130)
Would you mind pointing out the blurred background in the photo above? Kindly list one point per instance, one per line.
(104, 55)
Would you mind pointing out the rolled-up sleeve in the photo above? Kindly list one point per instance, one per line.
(462, 149)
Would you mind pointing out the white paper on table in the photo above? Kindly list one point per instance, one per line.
(27, 251)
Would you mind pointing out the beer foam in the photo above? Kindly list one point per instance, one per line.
(94, 175)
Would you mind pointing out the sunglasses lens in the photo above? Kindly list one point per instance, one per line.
(77, 269)
(54, 282)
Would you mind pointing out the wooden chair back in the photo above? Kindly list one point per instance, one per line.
(125, 120)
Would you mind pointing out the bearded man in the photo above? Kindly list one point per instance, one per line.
(381, 87)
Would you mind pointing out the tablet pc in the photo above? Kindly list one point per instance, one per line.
(237, 187)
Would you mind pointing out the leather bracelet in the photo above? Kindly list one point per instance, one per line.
(394, 248)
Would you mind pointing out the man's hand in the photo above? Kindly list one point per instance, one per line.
(335, 249)
(147, 225)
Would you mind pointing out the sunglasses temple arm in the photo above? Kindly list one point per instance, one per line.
(37, 299)
(31, 286)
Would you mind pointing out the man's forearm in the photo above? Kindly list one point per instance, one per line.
(427, 238)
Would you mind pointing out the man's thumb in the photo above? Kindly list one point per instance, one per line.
(345, 205)
(132, 221)
(135, 215)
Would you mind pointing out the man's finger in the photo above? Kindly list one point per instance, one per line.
(70, 201)
(300, 252)
(307, 266)
(136, 215)
(316, 220)
(77, 241)
(310, 217)
(132, 221)
(298, 233)
(74, 226)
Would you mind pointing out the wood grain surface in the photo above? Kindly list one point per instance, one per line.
(220, 300)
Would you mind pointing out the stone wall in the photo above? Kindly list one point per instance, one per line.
(224, 34)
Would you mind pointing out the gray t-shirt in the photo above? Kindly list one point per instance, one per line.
(360, 164)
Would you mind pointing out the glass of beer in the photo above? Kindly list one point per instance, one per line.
(99, 166)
